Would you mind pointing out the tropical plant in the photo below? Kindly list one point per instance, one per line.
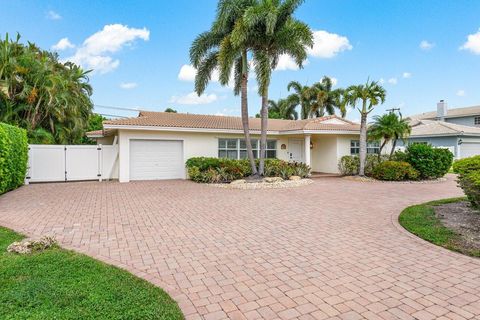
(388, 128)
(95, 122)
(42, 94)
(13, 157)
(270, 30)
(430, 162)
(394, 171)
(282, 109)
(369, 95)
(213, 51)
(301, 97)
(342, 100)
(323, 98)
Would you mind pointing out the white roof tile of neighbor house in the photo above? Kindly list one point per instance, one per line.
(451, 113)
(198, 121)
(440, 128)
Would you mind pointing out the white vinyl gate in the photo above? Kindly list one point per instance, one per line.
(49, 163)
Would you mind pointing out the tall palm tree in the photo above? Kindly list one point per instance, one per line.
(213, 50)
(369, 95)
(342, 100)
(302, 97)
(282, 109)
(323, 98)
(274, 32)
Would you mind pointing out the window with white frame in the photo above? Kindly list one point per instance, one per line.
(373, 147)
(476, 121)
(237, 148)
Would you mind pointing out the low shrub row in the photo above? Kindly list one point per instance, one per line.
(468, 171)
(418, 161)
(13, 157)
(221, 170)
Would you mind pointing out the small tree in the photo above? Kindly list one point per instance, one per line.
(170, 110)
(370, 95)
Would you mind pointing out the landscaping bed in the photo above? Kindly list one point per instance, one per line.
(61, 284)
(263, 184)
(451, 223)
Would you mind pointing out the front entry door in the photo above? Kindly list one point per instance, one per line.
(295, 150)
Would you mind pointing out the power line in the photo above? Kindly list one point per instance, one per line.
(117, 108)
(111, 115)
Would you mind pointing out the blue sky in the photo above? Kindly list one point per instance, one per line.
(422, 50)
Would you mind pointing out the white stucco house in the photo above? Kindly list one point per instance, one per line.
(156, 145)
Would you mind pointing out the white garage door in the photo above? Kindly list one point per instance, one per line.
(156, 160)
(469, 149)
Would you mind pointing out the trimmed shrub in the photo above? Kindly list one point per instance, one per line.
(349, 165)
(13, 157)
(470, 183)
(221, 170)
(430, 162)
(467, 165)
(395, 171)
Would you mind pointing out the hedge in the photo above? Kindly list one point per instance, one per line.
(349, 165)
(468, 170)
(395, 171)
(430, 162)
(13, 157)
(221, 170)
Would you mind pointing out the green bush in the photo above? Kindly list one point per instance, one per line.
(221, 170)
(394, 171)
(470, 183)
(430, 162)
(468, 170)
(467, 165)
(13, 157)
(349, 165)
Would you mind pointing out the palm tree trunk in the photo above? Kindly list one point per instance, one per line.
(244, 107)
(263, 136)
(363, 142)
(394, 144)
(381, 148)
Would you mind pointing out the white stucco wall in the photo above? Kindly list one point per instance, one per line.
(326, 152)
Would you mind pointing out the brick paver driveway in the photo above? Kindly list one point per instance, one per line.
(332, 249)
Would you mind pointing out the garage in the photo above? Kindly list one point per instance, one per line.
(156, 160)
(469, 149)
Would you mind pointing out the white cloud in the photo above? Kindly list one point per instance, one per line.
(393, 81)
(187, 73)
(285, 62)
(52, 15)
(128, 85)
(63, 44)
(473, 43)
(407, 75)
(425, 45)
(96, 49)
(193, 98)
(328, 45)
(461, 93)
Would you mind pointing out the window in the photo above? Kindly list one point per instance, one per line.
(237, 148)
(477, 120)
(373, 147)
(228, 148)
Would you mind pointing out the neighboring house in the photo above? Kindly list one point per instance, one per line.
(456, 129)
(155, 145)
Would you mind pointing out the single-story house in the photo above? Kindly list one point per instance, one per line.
(156, 145)
(456, 129)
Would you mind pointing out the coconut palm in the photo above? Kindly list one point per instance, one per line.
(369, 95)
(302, 97)
(323, 98)
(341, 100)
(282, 109)
(274, 32)
(213, 51)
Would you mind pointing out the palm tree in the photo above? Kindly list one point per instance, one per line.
(383, 129)
(370, 95)
(323, 98)
(341, 100)
(213, 50)
(302, 97)
(282, 109)
(275, 32)
(402, 130)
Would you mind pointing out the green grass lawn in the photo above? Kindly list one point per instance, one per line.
(62, 284)
(421, 221)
